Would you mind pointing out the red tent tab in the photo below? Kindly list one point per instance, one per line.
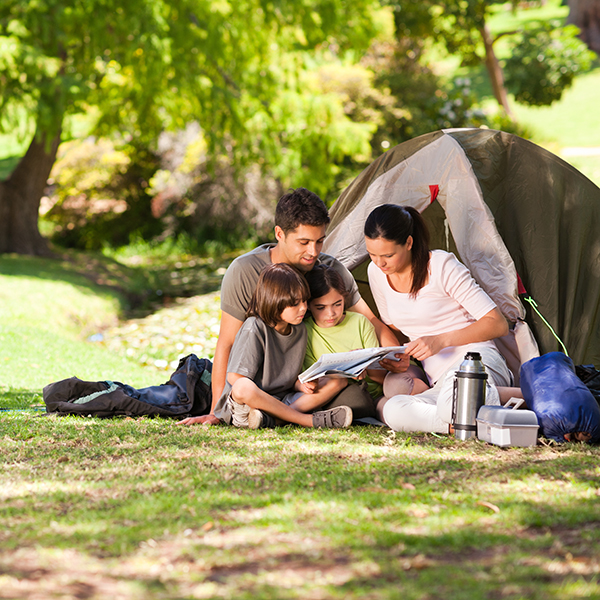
(434, 191)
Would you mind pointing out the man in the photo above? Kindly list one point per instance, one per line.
(301, 218)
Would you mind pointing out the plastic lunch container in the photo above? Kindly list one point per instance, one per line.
(506, 426)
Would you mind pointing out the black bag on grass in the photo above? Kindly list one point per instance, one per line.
(187, 393)
(591, 378)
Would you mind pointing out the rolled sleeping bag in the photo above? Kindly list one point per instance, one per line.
(560, 400)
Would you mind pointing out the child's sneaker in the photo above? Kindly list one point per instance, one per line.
(257, 419)
(334, 418)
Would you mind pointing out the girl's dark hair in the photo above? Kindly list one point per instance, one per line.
(278, 287)
(396, 223)
(322, 279)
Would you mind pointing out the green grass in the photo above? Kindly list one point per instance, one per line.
(145, 509)
(505, 19)
(49, 308)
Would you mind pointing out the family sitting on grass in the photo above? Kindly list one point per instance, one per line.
(285, 304)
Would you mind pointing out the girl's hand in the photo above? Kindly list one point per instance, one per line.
(425, 346)
(396, 366)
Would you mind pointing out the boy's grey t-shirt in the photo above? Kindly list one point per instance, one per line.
(272, 360)
(242, 276)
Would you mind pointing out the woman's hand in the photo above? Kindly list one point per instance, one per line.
(425, 346)
(488, 327)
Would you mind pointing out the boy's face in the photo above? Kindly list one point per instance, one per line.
(301, 247)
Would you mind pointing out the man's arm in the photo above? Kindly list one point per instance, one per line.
(385, 336)
(227, 332)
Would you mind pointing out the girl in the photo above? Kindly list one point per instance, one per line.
(267, 356)
(331, 329)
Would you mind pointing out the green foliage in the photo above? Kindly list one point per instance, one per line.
(148, 64)
(544, 62)
(416, 100)
(315, 135)
(98, 193)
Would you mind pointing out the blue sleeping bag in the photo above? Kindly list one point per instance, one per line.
(560, 400)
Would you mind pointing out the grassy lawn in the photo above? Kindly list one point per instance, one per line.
(146, 509)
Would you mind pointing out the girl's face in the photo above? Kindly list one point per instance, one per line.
(389, 256)
(293, 315)
(328, 310)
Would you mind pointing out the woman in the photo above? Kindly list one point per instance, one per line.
(430, 297)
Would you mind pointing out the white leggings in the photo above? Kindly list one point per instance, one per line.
(432, 410)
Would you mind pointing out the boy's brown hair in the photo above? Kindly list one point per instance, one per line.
(278, 287)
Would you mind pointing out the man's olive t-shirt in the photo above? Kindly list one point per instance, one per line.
(242, 276)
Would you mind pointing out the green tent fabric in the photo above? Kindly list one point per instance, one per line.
(514, 213)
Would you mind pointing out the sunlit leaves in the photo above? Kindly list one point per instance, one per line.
(544, 62)
(151, 63)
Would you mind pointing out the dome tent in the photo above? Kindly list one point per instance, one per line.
(520, 218)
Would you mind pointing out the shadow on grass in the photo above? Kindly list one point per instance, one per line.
(290, 513)
(12, 399)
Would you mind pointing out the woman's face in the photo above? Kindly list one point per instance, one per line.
(328, 310)
(389, 256)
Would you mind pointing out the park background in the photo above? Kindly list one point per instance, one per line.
(169, 166)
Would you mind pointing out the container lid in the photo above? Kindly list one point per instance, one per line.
(499, 415)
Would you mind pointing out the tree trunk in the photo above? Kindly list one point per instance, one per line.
(20, 197)
(495, 71)
(586, 15)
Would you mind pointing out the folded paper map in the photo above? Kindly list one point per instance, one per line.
(349, 364)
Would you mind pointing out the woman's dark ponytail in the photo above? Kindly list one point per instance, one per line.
(396, 223)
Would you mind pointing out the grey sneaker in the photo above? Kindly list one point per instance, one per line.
(334, 418)
(257, 419)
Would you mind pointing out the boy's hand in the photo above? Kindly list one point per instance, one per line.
(310, 387)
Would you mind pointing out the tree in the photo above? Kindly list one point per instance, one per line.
(545, 62)
(550, 53)
(586, 15)
(461, 27)
(145, 65)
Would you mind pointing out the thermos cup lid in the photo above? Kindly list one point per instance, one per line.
(472, 367)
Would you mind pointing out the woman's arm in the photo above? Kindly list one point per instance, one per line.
(490, 326)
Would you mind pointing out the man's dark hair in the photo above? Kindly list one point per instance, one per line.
(300, 207)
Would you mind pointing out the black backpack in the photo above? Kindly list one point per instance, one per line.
(187, 393)
(591, 378)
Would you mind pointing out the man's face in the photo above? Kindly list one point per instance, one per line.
(301, 247)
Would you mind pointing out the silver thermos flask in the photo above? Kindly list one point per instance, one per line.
(469, 395)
